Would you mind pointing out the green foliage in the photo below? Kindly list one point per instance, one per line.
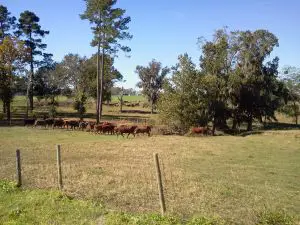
(52, 109)
(79, 103)
(7, 22)
(111, 75)
(291, 78)
(235, 82)
(180, 103)
(29, 28)
(151, 81)
(12, 55)
(8, 186)
(268, 217)
(109, 26)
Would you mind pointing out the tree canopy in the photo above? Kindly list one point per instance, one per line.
(29, 29)
(235, 81)
(109, 26)
(151, 80)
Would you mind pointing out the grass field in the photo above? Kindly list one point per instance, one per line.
(227, 176)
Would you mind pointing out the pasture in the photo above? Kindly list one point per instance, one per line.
(230, 177)
(137, 114)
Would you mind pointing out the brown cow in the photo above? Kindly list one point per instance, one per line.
(200, 130)
(49, 122)
(82, 125)
(123, 129)
(40, 122)
(72, 123)
(97, 128)
(58, 123)
(29, 122)
(143, 130)
(108, 128)
(90, 126)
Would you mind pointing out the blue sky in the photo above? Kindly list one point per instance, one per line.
(164, 29)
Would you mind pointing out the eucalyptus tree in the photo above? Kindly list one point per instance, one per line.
(291, 78)
(151, 80)
(109, 26)
(30, 29)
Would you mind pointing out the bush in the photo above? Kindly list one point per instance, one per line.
(52, 111)
(1, 116)
(79, 103)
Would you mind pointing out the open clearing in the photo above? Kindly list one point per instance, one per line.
(227, 176)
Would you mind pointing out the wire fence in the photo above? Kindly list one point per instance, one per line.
(125, 182)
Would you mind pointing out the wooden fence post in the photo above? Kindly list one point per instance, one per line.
(59, 173)
(18, 167)
(160, 186)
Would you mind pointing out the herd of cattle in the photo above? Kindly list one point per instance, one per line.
(101, 128)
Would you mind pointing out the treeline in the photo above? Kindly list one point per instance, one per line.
(237, 82)
(25, 67)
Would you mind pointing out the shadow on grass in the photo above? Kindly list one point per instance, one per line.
(281, 126)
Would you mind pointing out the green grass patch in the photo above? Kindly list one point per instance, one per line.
(133, 98)
(22, 207)
(45, 207)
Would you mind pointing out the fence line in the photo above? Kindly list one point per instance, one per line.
(144, 182)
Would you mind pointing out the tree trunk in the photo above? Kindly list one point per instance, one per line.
(152, 107)
(30, 80)
(98, 85)
(249, 123)
(296, 113)
(214, 127)
(4, 106)
(101, 84)
(121, 104)
(234, 124)
(8, 111)
(121, 101)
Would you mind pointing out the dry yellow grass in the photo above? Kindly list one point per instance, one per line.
(231, 177)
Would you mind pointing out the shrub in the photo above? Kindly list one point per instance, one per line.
(79, 103)
(52, 111)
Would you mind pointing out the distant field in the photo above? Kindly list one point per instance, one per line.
(227, 176)
(129, 98)
(66, 110)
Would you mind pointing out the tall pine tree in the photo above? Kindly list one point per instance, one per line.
(29, 28)
(109, 26)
